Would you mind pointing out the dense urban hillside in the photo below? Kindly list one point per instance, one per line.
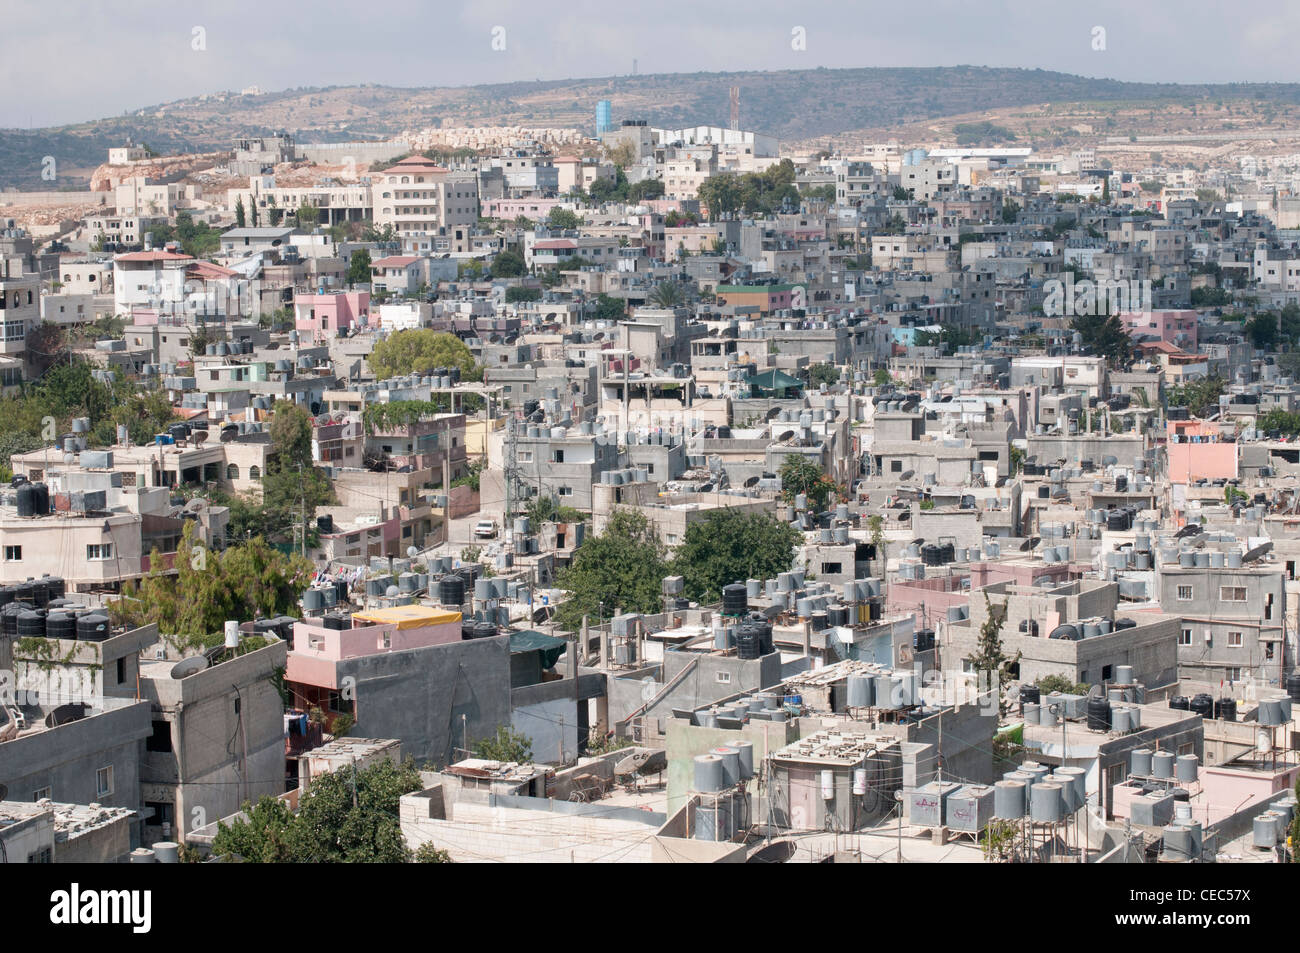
(793, 104)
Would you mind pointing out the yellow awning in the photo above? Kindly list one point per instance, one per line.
(407, 617)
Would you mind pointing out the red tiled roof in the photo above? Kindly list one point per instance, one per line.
(153, 256)
(415, 163)
(556, 243)
(207, 269)
(394, 261)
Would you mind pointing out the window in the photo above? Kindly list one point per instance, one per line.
(1185, 637)
(724, 678)
(895, 466)
(159, 813)
(1233, 674)
(1234, 640)
(558, 457)
(121, 670)
(1184, 593)
(42, 856)
(566, 491)
(41, 794)
(13, 554)
(99, 551)
(831, 568)
(161, 739)
(104, 781)
(1115, 773)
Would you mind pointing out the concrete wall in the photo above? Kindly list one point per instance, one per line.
(420, 697)
(65, 759)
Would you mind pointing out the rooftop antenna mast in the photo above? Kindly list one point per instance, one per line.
(735, 107)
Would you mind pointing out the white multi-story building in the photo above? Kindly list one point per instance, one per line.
(421, 199)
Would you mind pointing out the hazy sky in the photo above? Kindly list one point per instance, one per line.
(75, 60)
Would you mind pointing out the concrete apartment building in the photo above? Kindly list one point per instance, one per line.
(189, 773)
(1233, 617)
(423, 200)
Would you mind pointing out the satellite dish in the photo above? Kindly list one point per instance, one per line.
(189, 666)
(411, 551)
(1258, 551)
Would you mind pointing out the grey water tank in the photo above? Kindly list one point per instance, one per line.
(1185, 767)
(1264, 834)
(746, 752)
(708, 772)
(860, 691)
(1045, 803)
(1009, 800)
(1177, 844)
(1162, 765)
(1140, 762)
(1123, 674)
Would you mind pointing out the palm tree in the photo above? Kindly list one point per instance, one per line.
(666, 294)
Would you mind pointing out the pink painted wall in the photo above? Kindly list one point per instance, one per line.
(1168, 325)
(323, 316)
(1192, 461)
(364, 640)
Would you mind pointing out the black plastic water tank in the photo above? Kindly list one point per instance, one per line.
(451, 590)
(7, 595)
(765, 644)
(1029, 694)
(93, 627)
(1180, 702)
(9, 619)
(42, 499)
(1098, 714)
(1226, 709)
(1203, 705)
(466, 629)
(484, 630)
(748, 644)
(1067, 632)
(60, 625)
(734, 600)
(57, 586)
(1125, 624)
(1114, 520)
(31, 624)
(1293, 686)
(40, 592)
(336, 621)
(27, 500)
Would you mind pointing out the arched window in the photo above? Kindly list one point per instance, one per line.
(254, 473)
(232, 472)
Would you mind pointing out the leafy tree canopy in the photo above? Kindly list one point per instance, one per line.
(730, 545)
(419, 351)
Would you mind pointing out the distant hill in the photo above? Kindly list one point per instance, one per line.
(791, 104)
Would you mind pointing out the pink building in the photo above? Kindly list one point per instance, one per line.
(1173, 327)
(312, 668)
(1197, 449)
(323, 316)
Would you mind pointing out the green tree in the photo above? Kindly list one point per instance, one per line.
(800, 475)
(666, 294)
(645, 190)
(429, 854)
(730, 545)
(882, 377)
(419, 351)
(239, 212)
(1263, 331)
(1200, 397)
(563, 218)
(506, 745)
(190, 605)
(509, 264)
(1059, 683)
(516, 293)
(621, 569)
(1105, 336)
(824, 373)
(989, 659)
(292, 487)
(359, 268)
(346, 816)
(609, 309)
(308, 215)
